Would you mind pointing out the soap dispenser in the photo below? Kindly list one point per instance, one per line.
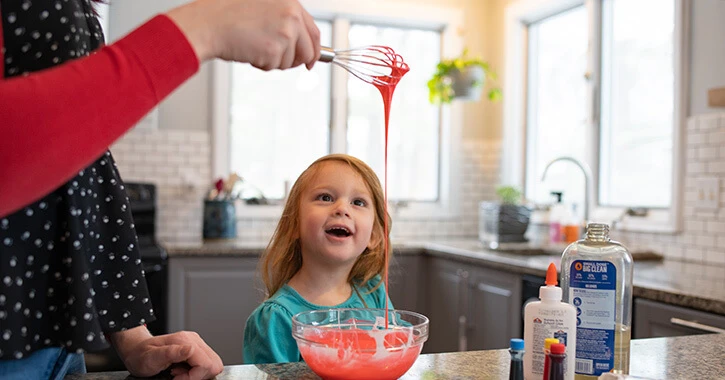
(556, 217)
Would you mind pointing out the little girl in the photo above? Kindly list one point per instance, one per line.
(327, 252)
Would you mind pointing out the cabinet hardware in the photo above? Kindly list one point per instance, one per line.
(696, 326)
(494, 290)
(462, 336)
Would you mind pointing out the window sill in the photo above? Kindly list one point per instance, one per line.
(656, 221)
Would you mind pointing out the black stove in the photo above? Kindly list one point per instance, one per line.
(142, 199)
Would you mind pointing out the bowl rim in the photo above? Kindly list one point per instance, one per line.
(423, 326)
(425, 320)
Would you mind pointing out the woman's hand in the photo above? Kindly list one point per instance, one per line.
(145, 355)
(269, 34)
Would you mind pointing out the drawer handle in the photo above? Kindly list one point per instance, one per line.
(462, 339)
(696, 326)
(494, 289)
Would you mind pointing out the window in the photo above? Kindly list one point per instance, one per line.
(602, 84)
(279, 121)
(637, 103)
(325, 110)
(414, 133)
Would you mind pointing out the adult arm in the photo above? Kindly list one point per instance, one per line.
(55, 122)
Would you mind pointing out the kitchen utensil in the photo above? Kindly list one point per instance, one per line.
(372, 64)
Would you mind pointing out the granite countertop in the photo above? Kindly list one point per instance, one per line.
(690, 357)
(691, 285)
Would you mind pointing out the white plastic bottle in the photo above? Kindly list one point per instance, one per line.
(548, 318)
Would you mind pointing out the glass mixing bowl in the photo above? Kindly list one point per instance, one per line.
(354, 344)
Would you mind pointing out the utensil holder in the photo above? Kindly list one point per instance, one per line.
(219, 219)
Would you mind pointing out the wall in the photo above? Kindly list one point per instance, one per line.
(707, 66)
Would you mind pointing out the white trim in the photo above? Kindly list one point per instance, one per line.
(338, 119)
(517, 16)
(342, 13)
(219, 105)
(379, 11)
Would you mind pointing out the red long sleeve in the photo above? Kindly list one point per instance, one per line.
(55, 122)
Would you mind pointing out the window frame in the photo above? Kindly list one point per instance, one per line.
(342, 14)
(513, 164)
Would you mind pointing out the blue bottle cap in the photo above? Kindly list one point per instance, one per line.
(517, 344)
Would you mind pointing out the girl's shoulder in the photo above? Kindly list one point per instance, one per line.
(374, 284)
(285, 300)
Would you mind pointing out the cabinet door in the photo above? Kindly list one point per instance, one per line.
(444, 307)
(654, 319)
(403, 278)
(494, 307)
(214, 296)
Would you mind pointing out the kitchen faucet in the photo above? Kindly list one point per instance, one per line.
(587, 180)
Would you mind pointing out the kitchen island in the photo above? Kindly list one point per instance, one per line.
(690, 357)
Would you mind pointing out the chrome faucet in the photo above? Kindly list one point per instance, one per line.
(587, 180)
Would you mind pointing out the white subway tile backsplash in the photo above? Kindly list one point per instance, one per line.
(709, 121)
(694, 168)
(154, 156)
(716, 256)
(697, 138)
(706, 153)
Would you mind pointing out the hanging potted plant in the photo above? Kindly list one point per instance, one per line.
(504, 221)
(461, 78)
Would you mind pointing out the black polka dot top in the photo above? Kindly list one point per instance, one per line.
(69, 262)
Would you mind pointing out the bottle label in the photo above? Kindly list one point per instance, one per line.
(549, 323)
(592, 290)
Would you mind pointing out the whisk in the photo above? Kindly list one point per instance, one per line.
(374, 64)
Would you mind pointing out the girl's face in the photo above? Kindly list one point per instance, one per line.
(336, 215)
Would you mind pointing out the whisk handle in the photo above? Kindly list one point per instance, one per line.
(326, 54)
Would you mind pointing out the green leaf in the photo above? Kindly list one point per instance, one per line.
(509, 194)
(495, 95)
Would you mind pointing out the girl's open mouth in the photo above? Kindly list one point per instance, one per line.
(338, 231)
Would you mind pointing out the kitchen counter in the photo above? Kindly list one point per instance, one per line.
(691, 285)
(690, 357)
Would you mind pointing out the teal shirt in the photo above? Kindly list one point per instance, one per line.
(268, 334)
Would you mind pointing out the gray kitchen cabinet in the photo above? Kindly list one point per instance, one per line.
(655, 319)
(403, 282)
(445, 287)
(495, 309)
(471, 307)
(214, 296)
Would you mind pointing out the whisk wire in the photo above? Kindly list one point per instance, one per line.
(375, 64)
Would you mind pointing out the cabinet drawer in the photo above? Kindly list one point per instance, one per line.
(655, 319)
